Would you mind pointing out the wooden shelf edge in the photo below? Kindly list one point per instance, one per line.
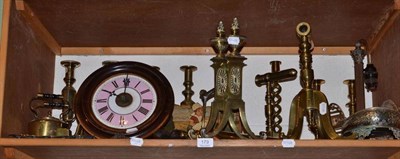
(3, 53)
(322, 50)
(13, 153)
(10, 142)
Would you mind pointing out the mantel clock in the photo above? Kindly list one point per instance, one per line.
(124, 99)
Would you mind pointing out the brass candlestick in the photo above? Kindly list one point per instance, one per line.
(188, 83)
(351, 95)
(273, 98)
(309, 102)
(69, 92)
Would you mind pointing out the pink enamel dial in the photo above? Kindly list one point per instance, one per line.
(124, 101)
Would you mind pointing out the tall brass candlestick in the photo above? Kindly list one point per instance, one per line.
(188, 83)
(69, 92)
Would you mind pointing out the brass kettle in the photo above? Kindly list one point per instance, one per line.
(47, 127)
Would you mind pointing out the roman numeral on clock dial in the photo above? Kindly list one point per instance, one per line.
(115, 84)
(110, 117)
(101, 100)
(102, 110)
(144, 111)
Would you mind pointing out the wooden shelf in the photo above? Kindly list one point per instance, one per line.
(34, 32)
(232, 149)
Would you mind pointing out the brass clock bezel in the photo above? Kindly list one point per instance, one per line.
(162, 113)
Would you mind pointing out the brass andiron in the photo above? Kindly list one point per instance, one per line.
(188, 83)
(309, 102)
(69, 92)
(273, 98)
(358, 55)
(228, 118)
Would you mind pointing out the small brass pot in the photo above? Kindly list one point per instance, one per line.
(47, 127)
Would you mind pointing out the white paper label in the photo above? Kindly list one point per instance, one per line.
(288, 143)
(322, 108)
(136, 141)
(205, 142)
(233, 40)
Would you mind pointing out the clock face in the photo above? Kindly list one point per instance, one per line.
(221, 81)
(235, 80)
(124, 101)
(124, 98)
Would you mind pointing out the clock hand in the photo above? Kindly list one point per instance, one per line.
(111, 93)
(126, 82)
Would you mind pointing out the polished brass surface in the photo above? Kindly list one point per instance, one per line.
(220, 42)
(47, 126)
(317, 84)
(235, 40)
(188, 83)
(68, 91)
(227, 110)
(309, 102)
(273, 98)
